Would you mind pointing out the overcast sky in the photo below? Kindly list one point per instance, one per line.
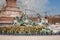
(40, 6)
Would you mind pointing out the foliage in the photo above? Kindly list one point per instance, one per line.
(31, 30)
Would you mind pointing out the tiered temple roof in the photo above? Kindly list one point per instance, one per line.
(9, 12)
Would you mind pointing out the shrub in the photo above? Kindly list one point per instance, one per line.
(25, 30)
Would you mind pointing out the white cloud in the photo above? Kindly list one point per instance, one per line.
(2, 2)
(37, 5)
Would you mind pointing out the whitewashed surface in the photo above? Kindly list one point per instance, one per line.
(6, 37)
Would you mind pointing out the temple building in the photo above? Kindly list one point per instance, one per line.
(9, 12)
(53, 20)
